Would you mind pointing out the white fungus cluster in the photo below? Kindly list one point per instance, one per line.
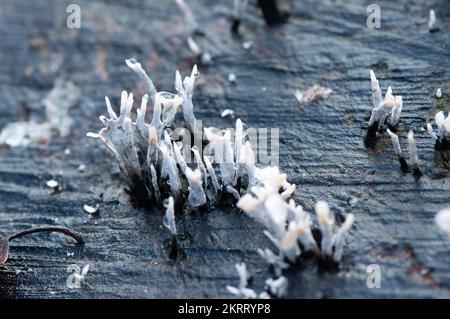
(287, 225)
(273, 287)
(412, 150)
(384, 109)
(153, 157)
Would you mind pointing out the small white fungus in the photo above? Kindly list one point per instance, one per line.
(91, 209)
(52, 184)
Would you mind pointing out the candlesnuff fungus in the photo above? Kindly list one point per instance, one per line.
(153, 160)
(242, 291)
(443, 125)
(442, 220)
(414, 159)
(398, 151)
(287, 225)
(277, 287)
(4, 242)
(432, 26)
(389, 108)
(151, 157)
(169, 217)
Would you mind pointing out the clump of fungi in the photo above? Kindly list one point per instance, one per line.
(158, 161)
(386, 111)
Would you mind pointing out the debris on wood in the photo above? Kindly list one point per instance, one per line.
(57, 104)
(312, 94)
(5, 241)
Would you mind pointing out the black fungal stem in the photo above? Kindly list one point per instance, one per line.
(372, 131)
(416, 171)
(173, 248)
(272, 15)
(403, 164)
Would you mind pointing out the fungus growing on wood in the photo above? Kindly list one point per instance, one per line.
(385, 110)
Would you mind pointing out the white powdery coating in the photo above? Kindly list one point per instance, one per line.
(193, 46)
(189, 17)
(154, 180)
(277, 287)
(276, 209)
(304, 234)
(242, 291)
(169, 103)
(248, 203)
(249, 161)
(212, 174)
(270, 177)
(169, 217)
(325, 223)
(430, 131)
(442, 220)
(440, 122)
(289, 190)
(233, 191)
(338, 240)
(223, 154)
(141, 128)
(243, 275)
(231, 77)
(277, 262)
(197, 195)
(432, 21)
(186, 90)
(52, 184)
(412, 149)
(377, 97)
(179, 158)
(200, 164)
(289, 243)
(396, 111)
(152, 151)
(391, 104)
(227, 112)
(169, 168)
(247, 45)
(137, 68)
(395, 143)
(119, 138)
(91, 209)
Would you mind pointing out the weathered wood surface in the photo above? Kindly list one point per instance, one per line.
(321, 148)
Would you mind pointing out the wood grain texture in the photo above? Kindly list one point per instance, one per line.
(321, 150)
